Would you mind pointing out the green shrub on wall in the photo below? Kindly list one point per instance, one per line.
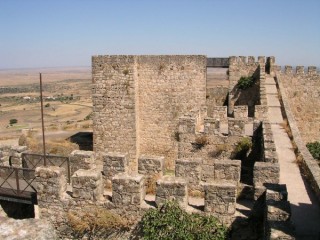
(171, 222)
(245, 82)
(314, 149)
(13, 121)
(243, 147)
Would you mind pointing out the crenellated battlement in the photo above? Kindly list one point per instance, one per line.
(247, 60)
(298, 70)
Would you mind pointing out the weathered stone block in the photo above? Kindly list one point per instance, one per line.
(114, 163)
(220, 198)
(271, 156)
(207, 171)
(87, 185)
(211, 126)
(236, 127)
(172, 188)
(128, 190)
(276, 192)
(264, 172)
(278, 211)
(187, 124)
(229, 170)
(81, 160)
(220, 112)
(151, 166)
(261, 112)
(189, 169)
(50, 183)
(280, 231)
(240, 112)
(258, 192)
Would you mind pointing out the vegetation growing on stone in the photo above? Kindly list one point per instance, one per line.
(219, 150)
(13, 121)
(245, 82)
(243, 146)
(125, 72)
(96, 221)
(201, 141)
(314, 149)
(171, 222)
(55, 147)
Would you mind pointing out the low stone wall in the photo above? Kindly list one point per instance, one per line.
(236, 127)
(219, 112)
(240, 112)
(261, 112)
(264, 173)
(209, 143)
(81, 160)
(191, 170)
(227, 170)
(114, 163)
(220, 200)
(13, 152)
(269, 147)
(240, 67)
(172, 188)
(87, 185)
(308, 164)
(215, 99)
(128, 191)
(277, 217)
(151, 166)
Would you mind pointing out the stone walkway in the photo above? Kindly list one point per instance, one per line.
(305, 209)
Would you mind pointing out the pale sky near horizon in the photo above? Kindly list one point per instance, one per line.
(37, 33)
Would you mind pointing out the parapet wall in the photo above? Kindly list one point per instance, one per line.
(138, 100)
(302, 89)
(309, 165)
(243, 67)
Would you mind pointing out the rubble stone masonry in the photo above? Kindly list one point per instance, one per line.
(138, 100)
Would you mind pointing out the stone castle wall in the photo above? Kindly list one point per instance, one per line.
(216, 97)
(168, 87)
(245, 67)
(114, 105)
(309, 166)
(138, 100)
(303, 91)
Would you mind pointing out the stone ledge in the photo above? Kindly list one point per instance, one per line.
(124, 176)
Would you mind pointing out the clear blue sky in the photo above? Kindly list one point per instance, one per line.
(43, 33)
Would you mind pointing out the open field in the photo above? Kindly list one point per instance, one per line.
(67, 101)
(17, 77)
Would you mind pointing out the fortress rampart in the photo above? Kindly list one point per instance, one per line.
(138, 100)
(158, 134)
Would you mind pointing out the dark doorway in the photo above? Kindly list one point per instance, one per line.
(83, 139)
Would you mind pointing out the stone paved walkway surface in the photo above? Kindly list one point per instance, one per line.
(305, 209)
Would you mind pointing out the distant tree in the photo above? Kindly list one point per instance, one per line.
(47, 105)
(13, 121)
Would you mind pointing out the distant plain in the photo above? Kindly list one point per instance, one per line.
(67, 101)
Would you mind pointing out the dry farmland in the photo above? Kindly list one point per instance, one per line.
(67, 102)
